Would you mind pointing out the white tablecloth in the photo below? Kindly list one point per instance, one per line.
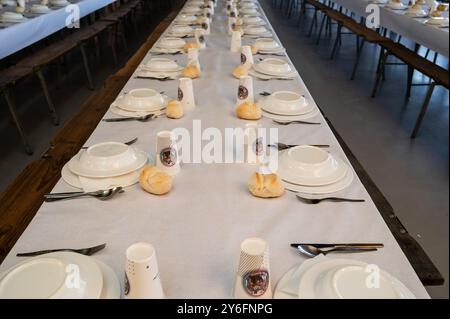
(197, 228)
(18, 36)
(416, 30)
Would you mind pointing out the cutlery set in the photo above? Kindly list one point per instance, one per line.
(313, 250)
(104, 194)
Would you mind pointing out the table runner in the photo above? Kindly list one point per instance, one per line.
(414, 29)
(20, 35)
(197, 228)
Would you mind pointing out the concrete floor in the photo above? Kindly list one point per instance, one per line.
(412, 174)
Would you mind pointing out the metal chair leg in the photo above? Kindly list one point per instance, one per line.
(50, 104)
(338, 36)
(313, 21)
(409, 82)
(379, 74)
(322, 23)
(423, 110)
(12, 109)
(86, 65)
(358, 56)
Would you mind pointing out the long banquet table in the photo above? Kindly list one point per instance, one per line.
(415, 29)
(197, 228)
(17, 36)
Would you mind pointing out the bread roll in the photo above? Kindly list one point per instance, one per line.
(265, 185)
(154, 181)
(174, 110)
(239, 71)
(190, 45)
(249, 111)
(191, 71)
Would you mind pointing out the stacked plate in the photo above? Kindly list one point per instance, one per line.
(139, 102)
(257, 31)
(103, 166)
(59, 3)
(311, 170)
(253, 21)
(438, 21)
(325, 278)
(273, 68)
(169, 45)
(39, 9)
(9, 3)
(159, 68)
(248, 5)
(417, 12)
(185, 19)
(192, 9)
(268, 46)
(396, 5)
(48, 277)
(250, 12)
(12, 17)
(287, 106)
(180, 31)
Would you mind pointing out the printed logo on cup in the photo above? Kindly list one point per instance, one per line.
(229, 7)
(243, 58)
(180, 94)
(242, 92)
(205, 26)
(258, 146)
(201, 39)
(126, 285)
(233, 26)
(256, 282)
(208, 14)
(168, 156)
(233, 14)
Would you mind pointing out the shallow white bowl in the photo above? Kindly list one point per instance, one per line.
(440, 21)
(248, 5)
(249, 11)
(311, 166)
(397, 6)
(172, 43)
(12, 16)
(108, 156)
(250, 20)
(186, 18)
(142, 100)
(266, 44)
(161, 65)
(39, 8)
(287, 103)
(273, 66)
(192, 10)
(59, 2)
(255, 30)
(182, 29)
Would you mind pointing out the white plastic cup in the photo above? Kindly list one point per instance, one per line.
(186, 94)
(236, 41)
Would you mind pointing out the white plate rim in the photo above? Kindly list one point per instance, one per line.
(265, 101)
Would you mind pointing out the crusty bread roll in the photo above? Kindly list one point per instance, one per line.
(191, 71)
(248, 111)
(239, 71)
(190, 45)
(174, 110)
(254, 49)
(265, 185)
(154, 181)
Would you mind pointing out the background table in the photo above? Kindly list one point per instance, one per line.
(20, 35)
(197, 228)
(431, 37)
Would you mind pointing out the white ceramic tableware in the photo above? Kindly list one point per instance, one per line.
(61, 275)
(438, 21)
(161, 65)
(142, 100)
(111, 286)
(266, 44)
(236, 41)
(397, 5)
(264, 103)
(171, 43)
(249, 11)
(186, 94)
(245, 90)
(182, 30)
(107, 159)
(11, 17)
(287, 103)
(167, 157)
(255, 30)
(142, 280)
(251, 20)
(9, 3)
(273, 66)
(39, 8)
(186, 18)
(59, 3)
(253, 274)
(310, 166)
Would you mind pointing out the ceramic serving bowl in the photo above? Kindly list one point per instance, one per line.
(172, 43)
(143, 99)
(255, 30)
(161, 65)
(250, 20)
(287, 102)
(274, 66)
(39, 8)
(266, 44)
(186, 18)
(182, 29)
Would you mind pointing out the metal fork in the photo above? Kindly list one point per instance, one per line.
(296, 122)
(84, 251)
(331, 199)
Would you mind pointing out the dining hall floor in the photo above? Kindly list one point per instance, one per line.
(413, 175)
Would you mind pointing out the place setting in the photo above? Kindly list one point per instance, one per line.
(11, 18)
(169, 45)
(256, 32)
(268, 46)
(159, 69)
(273, 69)
(181, 31)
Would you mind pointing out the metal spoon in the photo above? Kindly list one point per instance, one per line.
(101, 194)
(313, 251)
(144, 118)
(134, 140)
(296, 122)
(282, 146)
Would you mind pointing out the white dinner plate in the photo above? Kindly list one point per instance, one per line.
(44, 277)
(142, 72)
(346, 279)
(338, 174)
(280, 290)
(342, 184)
(99, 183)
(287, 118)
(75, 167)
(289, 74)
(111, 286)
(119, 104)
(117, 110)
(266, 105)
